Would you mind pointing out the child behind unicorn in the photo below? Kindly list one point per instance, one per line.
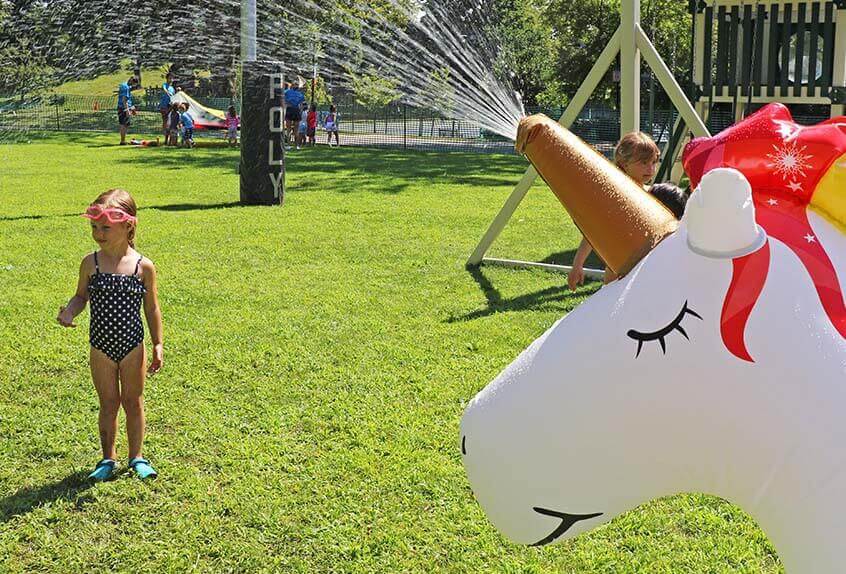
(637, 156)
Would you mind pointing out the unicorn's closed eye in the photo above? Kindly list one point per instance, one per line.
(717, 364)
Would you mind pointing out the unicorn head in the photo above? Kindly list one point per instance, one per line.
(717, 364)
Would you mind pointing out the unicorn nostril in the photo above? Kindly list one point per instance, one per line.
(464, 445)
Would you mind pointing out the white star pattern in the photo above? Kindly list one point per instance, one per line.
(785, 129)
(810, 238)
(772, 201)
(795, 187)
(789, 161)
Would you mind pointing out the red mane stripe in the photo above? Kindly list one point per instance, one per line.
(747, 281)
(784, 162)
(795, 231)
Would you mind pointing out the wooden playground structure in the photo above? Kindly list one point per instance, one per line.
(745, 53)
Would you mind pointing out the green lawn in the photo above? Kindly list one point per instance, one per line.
(318, 358)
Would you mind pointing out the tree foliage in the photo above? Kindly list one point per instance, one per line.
(582, 29)
(527, 42)
(543, 48)
(22, 69)
(372, 89)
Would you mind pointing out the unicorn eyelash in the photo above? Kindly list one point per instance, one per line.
(661, 334)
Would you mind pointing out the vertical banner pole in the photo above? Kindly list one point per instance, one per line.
(262, 167)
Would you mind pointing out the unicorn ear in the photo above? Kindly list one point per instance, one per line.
(720, 216)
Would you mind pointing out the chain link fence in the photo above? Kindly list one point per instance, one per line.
(396, 126)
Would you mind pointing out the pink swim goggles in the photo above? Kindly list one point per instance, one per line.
(113, 214)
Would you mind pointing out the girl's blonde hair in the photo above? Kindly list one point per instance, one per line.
(121, 199)
(635, 147)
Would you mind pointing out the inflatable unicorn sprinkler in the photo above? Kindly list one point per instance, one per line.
(716, 364)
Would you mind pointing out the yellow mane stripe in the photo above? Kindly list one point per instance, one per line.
(829, 199)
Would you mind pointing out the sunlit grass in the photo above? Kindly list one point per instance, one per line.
(318, 359)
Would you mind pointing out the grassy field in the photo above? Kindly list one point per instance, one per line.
(318, 358)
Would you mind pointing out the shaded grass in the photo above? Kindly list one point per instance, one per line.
(318, 359)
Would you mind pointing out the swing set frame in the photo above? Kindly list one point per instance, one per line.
(737, 71)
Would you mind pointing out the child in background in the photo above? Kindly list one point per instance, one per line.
(187, 126)
(294, 97)
(311, 120)
(165, 100)
(331, 126)
(232, 122)
(173, 125)
(637, 156)
(125, 107)
(302, 127)
(117, 280)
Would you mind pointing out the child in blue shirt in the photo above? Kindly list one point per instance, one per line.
(164, 101)
(125, 107)
(187, 126)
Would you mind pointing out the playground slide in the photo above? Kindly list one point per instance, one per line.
(204, 118)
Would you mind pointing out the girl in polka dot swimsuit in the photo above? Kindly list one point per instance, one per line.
(118, 280)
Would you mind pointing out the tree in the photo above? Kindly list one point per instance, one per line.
(526, 42)
(23, 70)
(442, 91)
(87, 38)
(371, 89)
(582, 29)
(24, 67)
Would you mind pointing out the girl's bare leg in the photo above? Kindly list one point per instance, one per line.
(104, 372)
(132, 375)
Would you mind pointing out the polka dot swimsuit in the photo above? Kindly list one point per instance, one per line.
(116, 326)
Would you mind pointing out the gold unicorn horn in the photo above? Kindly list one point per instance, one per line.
(620, 220)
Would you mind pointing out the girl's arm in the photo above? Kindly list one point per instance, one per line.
(153, 315)
(80, 299)
(576, 276)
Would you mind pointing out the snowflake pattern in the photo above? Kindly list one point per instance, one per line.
(789, 161)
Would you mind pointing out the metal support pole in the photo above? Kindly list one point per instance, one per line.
(248, 31)
(314, 80)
